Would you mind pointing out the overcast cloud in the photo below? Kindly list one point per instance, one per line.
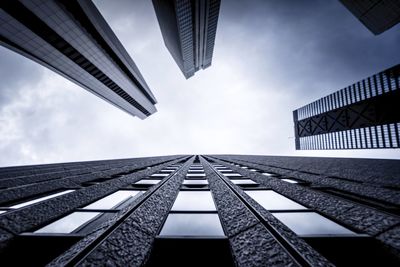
(270, 58)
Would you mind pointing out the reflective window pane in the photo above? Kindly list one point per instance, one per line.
(114, 199)
(148, 181)
(244, 182)
(290, 181)
(68, 223)
(20, 205)
(160, 174)
(268, 174)
(194, 201)
(195, 182)
(271, 200)
(192, 224)
(195, 175)
(311, 223)
(232, 175)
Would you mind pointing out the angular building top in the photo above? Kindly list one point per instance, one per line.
(73, 39)
(377, 15)
(189, 28)
(364, 115)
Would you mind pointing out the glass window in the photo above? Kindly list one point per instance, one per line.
(290, 181)
(40, 199)
(195, 175)
(147, 181)
(160, 174)
(311, 223)
(268, 174)
(253, 170)
(244, 182)
(194, 201)
(114, 199)
(196, 171)
(192, 224)
(233, 175)
(195, 182)
(225, 171)
(271, 200)
(68, 223)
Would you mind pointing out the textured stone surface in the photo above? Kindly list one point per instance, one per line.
(130, 243)
(256, 247)
(358, 217)
(237, 218)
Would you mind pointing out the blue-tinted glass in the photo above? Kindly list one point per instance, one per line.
(271, 200)
(68, 223)
(192, 224)
(194, 201)
(311, 223)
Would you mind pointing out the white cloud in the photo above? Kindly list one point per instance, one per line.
(242, 104)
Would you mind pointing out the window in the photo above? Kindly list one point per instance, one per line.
(311, 223)
(195, 175)
(69, 223)
(271, 200)
(160, 175)
(147, 182)
(233, 175)
(192, 224)
(268, 174)
(30, 202)
(246, 182)
(113, 200)
(290, 181)
(195, 182)
(225, 171)
(194, 201)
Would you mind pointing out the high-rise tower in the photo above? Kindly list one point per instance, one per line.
(73, 39)
(216, 210)
(364, 115)
(377, 15)
(189, 28)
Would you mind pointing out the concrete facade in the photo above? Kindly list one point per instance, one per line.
(73, 39)
(346, 212)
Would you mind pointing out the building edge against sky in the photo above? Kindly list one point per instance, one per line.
(364, 115)
(254, 211)
(73, 39)
(377, 15)
(189, 29)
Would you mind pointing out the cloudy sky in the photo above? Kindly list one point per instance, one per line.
(270, 58)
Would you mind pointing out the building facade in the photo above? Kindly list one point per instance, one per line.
(188, 28)
(211, 210)
(377, 15)
(73, 39)
(364, 115)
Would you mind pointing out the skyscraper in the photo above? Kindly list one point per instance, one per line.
(73, 39)
(377, 15)
(215, 210)
(189, 28)
(364, 115)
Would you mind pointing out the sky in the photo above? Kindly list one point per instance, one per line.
(270, 58)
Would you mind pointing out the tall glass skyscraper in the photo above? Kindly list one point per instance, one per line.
(189, 29)
(73, 39)
(364, 115)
